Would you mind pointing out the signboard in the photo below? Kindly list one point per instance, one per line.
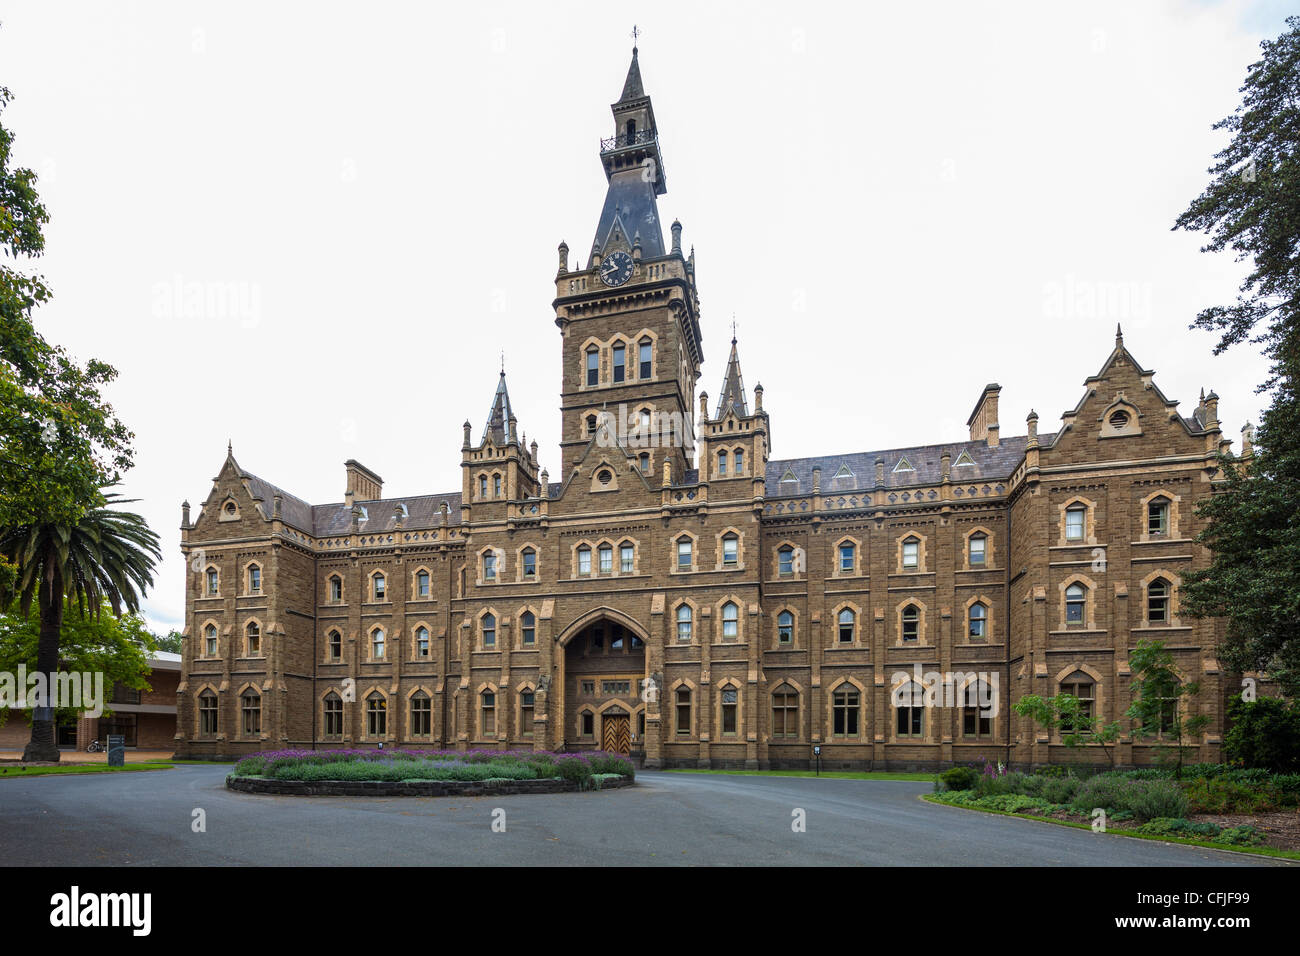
(116, 750)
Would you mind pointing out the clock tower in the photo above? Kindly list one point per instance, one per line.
(629, 319)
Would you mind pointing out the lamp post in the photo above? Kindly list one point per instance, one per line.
(817, 752)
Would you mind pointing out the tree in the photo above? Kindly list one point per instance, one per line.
(117, 647)
(60, 442)
(1263, 733)
(171, 642)
(1062, 713)
(106, 556)
(1158, 694)
(1252, 206)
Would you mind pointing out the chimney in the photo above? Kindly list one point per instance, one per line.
(185, 506)
(704, 406)
(363, 484)
(945, 465)
(1247, 447)
(564, 257)
(677, 238)
(758, 397)
(983, 421)
(1032, 421)
(880, 472)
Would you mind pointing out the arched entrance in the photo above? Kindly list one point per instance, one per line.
(604, 666)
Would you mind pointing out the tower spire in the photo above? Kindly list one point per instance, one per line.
(733, 386)
(499, 414)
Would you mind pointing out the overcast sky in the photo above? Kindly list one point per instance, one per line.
(313, 228)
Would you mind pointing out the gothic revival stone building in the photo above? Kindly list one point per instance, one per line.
(680, 594)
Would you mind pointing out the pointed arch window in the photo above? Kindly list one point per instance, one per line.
(584, 560)
(210, 641)
(335, 640)
(376, 715)
(379, 585)
(488, 708)
(785, 560)
(254, 579)
(977, 549)
(253, 635)
(1082, 687)
(645, 359)
(911, 554)
(529, 558)
(207, 713)
(1158, 601)
(848, 557)
(421, 715)
(377, 638)
(1075, 516)
(620, 362)
(626, 557)
(593, 368)
(848, 623)
(606, 555)
(1158, 516)
(740, 461)
(730, 711)
(978, 620)
(845, 711)
(685, 551)
(910, 711)
(489, 566)
(722, 464)
(785, 712)
(528, 628)
(730, 550)
(1076, 596)
(422, 583)
(250, 705)
(976, 721)
(730, 621)
(489, 631)
(496, 486)
(685, 622)
(482, 487)
(421, 641)
(784, 627)
(911, 622)
(333, 715)
(683, 707)
(336, 589)
(213, 581)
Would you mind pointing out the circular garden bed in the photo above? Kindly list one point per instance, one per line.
(427, 773)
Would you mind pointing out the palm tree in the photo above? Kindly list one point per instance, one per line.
(107, 554)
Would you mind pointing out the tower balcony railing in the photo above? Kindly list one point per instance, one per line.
(624, 140)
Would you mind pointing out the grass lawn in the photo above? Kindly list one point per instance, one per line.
(17, 771)
(839, 774)
(1116, 831)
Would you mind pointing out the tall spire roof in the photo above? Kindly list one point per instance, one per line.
(498, 422)
(733, 387)
(632, 88)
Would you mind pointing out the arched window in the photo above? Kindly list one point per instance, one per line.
(620, 361)
(250, 706)
(722, 464)
(591, 424)
(845, 709)
(848, 557)
(254, 579)
(593, 375)
(1158, 601)
(785, 712)
(685, 551)
(909, 711)
(213, 581)
(730, 711)
(482, 486)
(1158, 516)
(976, 720)
(422, 583)
(529, 558)
(376, 715)
(528, 628)
(1075, 522)
(911, 554)
(979, 619)
(977, 549)
(740, 461)
(911, 622)
(847, 625)
(422, 641)
(253, 635)
(785, 560)
(336, 645)
(207, 713)
(683, 707)
(377, 644)
(496, 486)
(489, 630)
(784, 627)
(380, 586)
(336, 589)
(730, 621)
(584, 560)
(730, 550)
(606, 555)
(210, 641)
(645, 371)
(685, 622)
(489, 566)
(643, 460)
(333, 715)
(626, 557)
(421, 715)
(1080, 686)
(488, 709)
(1075, 596)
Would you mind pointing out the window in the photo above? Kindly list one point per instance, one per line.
(1169, 714)
(785, 560)
(482, 486)
(844, 713)
(644, 461)
(591, 424)
(730, 621)
(489, 711)
(489, 630)
(210, 641)
(684, 554)
(911, 554)
(1158, 601)
(847, 625)
(977, 549)
(740, 462)
(489, 567)
(784, 627)
(207, 713)
(377, 644)
(684, 622)
(848, 558)
(683, 710)
(975, 721)
(623, 687)
(909, 718)
(584, 560)
(722, 464)
(979, 619)
(496, 486)
(213, 580)
(1074, 522)
(333, 715)
(1075, 595)
(645, 370)
(421, 715)
(911, 622)
(1158, 516)
(606, 555)
(593, 371)
(254, 579)
(422, 583)
(253, 633)
(589, 687)
(335, 644)
(620, 362)
(421, 642)
(376, 715)
(529, 559)
(526, 708)
(380, 587)
(250, 707)
(1118, 419)
(336, 589)
(587, 723)
(528, 628)
(1080, 686)
(730, 699)
(785, 712)
(626, 553)
(643, 420)
(730, 550)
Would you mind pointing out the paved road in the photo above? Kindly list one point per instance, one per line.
(668, 819)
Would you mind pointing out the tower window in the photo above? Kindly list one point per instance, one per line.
(1074, 522)
(212, 581)
(847, 621)
(496, 486)
(210, 641)
(529, 557)
(489, 567)
(979, 617)
(584, 560)
(482, 486)
(722, 463)
(380, 587)
(684, 554)
(784, 627)
(848, 556)
(645, 462)
(977, 549)
(606, 555)
(911, 622)
(620, 362)
(785, 560)
(626, 555)
(684, 622)
(645, 369)
(911, 554)
(254, 579)
(740, 462)
(422, 583)
(730, 550)
(528, 628)
(1158, 516)
(336, 589)
(1074, 601)
(593, 367)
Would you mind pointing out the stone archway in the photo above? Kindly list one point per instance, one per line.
(600, 668)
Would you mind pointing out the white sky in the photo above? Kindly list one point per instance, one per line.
(886, 197)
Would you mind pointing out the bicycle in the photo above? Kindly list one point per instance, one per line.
(95, 747)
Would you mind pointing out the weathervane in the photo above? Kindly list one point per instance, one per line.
(635, 33)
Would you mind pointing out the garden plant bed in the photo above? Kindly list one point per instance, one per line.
(427, 773)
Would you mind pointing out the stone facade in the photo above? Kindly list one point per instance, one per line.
(680, 594)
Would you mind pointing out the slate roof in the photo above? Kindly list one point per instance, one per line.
(733, 388)
(422, 511)
(630, 204)
(632, 88)
(989, 464)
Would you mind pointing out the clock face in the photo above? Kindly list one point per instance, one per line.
(616, 268)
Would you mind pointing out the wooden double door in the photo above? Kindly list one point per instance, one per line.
(616, 732)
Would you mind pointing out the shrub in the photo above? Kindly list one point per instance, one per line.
(1244, 835)
(1221, 795)
(1263, 733)
(1103, 790)
(1152, 799)
(253, 766)
(959, 778)
(989, 785)
(575, 768)
(1012, 803)
(606, 763)
(1179, 827)
(1059, 789)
